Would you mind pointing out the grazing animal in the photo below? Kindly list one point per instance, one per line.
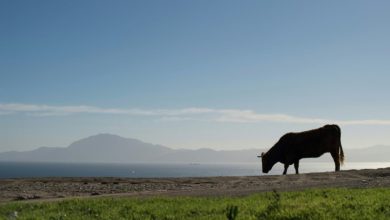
(313, 143)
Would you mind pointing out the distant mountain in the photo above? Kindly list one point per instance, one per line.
(378, 153)
(108, 148)
(104, 148)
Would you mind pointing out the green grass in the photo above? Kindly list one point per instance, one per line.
(309, 204)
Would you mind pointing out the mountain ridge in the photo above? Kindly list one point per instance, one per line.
(110, 148)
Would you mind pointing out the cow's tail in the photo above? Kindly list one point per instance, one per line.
(341, 152)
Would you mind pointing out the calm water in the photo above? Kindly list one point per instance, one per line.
(18, 169)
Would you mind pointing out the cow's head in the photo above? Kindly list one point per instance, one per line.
(266, 164)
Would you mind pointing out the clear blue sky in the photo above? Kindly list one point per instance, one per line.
(307, 60)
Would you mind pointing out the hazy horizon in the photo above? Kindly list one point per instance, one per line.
(223, 74)
(174, 148)
(107, 148)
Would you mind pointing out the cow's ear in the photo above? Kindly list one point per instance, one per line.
(262, 154)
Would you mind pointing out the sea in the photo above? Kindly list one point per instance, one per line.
(160, 170)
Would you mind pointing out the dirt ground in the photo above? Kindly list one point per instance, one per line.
(59, 188)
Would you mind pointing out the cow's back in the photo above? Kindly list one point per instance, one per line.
(311, 143)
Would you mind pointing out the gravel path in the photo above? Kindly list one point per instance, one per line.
(58, 188)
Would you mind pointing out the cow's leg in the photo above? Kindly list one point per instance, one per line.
(336, 160)
(296, 166)
(285, 168)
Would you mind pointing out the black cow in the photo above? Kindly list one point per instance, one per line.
(294, 146)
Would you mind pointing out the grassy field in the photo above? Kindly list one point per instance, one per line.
(308, 204)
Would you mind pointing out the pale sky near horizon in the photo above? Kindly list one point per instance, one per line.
(193, 74)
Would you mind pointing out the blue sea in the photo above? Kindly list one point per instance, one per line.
(143, 170)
